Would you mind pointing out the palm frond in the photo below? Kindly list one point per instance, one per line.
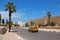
(10, 7)
(49, 14)
(10, 3)
(6, 9)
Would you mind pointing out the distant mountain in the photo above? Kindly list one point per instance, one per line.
(55, 19)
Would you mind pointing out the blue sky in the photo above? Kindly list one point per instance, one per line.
(31, 9)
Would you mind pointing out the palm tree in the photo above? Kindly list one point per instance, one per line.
(49, 15)
(31, 23)
(3, 21)
(0, 19)
(10, 6)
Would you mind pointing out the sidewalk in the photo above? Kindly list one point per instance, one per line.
(50, 30)
(10, 36)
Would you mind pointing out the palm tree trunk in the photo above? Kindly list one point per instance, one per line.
(49, 21)
(9, 21)
(0, 19)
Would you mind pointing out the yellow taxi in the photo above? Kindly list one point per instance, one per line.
(33, 28)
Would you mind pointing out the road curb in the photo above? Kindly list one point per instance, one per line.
(50, 30)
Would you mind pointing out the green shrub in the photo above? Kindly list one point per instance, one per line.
(16, 24)
(39, 25)
(26, 25)
(59, 25)
(52, 24)
(42, 25)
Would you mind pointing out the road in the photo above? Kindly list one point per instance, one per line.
(40, 35)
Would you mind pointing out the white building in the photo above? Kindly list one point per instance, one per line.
(21, 23)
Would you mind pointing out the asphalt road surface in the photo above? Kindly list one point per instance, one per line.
(40, 35)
